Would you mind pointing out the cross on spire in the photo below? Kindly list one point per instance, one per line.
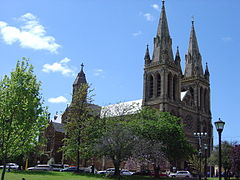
(82, 67)
(193, 19)
(163, 2)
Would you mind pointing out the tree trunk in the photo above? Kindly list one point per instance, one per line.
(117, 170)
(156, 171)
(78, 154)
(4, 168)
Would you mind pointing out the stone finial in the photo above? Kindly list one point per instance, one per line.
(163, 2)
(82, 67)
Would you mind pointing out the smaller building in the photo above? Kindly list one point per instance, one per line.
(54, 135)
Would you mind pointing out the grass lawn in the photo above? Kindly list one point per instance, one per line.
(48, 175)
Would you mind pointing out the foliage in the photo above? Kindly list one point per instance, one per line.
(163, 128)
(194, 164)
(22, 116)
(149, 151)
(80, 130)
(236, 160)
(117, 140)
(226, 148)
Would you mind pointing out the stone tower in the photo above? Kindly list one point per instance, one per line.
(79, 81)
(168, 89)
(162, 73)
(195, 82)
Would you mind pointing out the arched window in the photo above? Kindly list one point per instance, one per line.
(174, 87)
(188, 122)
(169, 86)
(158, 84)
(192, 95)
(206, 101)
(198, 126)
(201, 99)
(150, 86)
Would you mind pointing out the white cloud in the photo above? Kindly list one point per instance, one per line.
(98, 72)
(65, 60)
(148, 17)
(31, 34)
(156, 6)
(59, 99)
(60, 66)
(137, 33)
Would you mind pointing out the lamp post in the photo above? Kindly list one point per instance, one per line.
(219, 126)
(205, 166)
(199, 135)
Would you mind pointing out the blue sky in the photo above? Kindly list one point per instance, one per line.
(110, 37)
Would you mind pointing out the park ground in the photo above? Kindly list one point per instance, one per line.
(18, 175)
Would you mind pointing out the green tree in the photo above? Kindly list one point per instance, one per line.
(22, 115)
(163, 128)
(117, 140)
(194, 164)
(227, 148)
(80, 115)
(116, 143)
(236, 160)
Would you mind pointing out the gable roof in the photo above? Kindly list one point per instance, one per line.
(122, 108)
(58, 127)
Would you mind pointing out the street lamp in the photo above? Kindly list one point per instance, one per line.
(219, 126)
(200, 135)
(205, 167)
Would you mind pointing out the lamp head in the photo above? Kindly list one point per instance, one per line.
(219, 125)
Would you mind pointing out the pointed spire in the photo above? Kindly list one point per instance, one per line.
(177, 54)
(193, 66)
(206, 74)
(193, 44)
(163, 24)
(147, 56)
(178, 60)
(162, 42)
(81, 78)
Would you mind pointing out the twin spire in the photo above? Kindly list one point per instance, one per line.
(162, 41)
(163, 48)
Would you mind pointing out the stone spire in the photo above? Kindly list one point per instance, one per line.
(163, 24)
(162, 41)
(147, 56)
(80, 79)
(207, 74)
(177, 57)
(193, 64)
(178, 60)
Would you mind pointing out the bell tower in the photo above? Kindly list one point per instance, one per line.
(196, 82)
(162, 73)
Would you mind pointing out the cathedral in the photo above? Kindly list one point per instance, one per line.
(183, 94)
(165, 87)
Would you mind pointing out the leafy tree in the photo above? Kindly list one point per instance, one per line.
(117, 144)
(226, 156)
(117, 140)
(80, 115)
(22, 115)
(194, 164)
(150, 152)
(163, 128)
(235, 157)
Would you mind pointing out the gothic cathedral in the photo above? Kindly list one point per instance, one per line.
(167, 88)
